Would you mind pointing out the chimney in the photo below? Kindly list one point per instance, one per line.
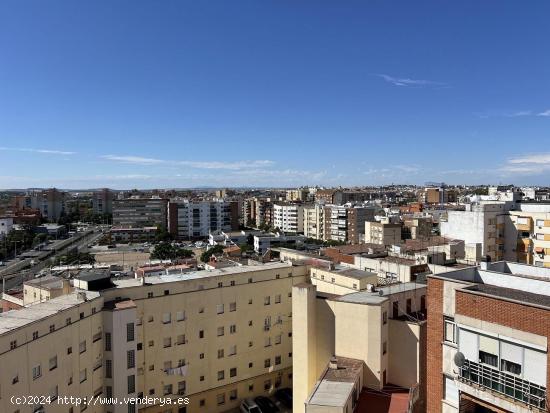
(333, 363)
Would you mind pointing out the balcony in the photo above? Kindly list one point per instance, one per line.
(503, 383)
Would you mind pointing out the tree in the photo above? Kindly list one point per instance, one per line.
(216, 249)
(166, 251)
(162, 235)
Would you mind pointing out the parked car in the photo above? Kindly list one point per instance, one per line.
(249, 406)
(266, 405)
(284, 395)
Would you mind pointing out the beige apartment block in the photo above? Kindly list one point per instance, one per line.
(215, 337)
(529, 227)
(382, 233)
(45, 288)
(53, 348)
(346, 343)
(314, 226)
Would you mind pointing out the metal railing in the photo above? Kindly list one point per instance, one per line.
(504, 383)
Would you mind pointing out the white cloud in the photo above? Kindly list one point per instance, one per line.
(400, 81)
(533, 164)
(543, 158)
(545, 113)
(45, 151)
(237, 165)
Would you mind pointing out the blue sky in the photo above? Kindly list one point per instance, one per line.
(258, 93)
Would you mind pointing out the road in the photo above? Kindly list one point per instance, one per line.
(22, 270)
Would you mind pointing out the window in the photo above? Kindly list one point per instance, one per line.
(201, 334)
(220, 399)
(220, 285)
(267, 385)
(167, 389)
(166, 292)
(108, 341)
(233, 394)
(267, 363)
(385, 317)
(52, 328)
(130, 332)
(278, 339)
(354, 286)
(83, 375)
(69, 350)
(201, 356)
(202, 402)
(232, 329)
(267, 300)
(180, 315)
(131, 359)
(150, 294)
(82, 346)
(232, 283)
(219, 309)
(232, 306)
(201, 310)
(277, 298)
(220, 353)
(13, 344)
(450, 330)
(53, 363)
(277, 360)
(221, 375)
(232, 350)
(510, 367)
(267, 341)
(167, 342)
(108, 369)
(450, 390)
(409, 306)
(131, 384)
(139, 346)
(384, 347)
(35, 335)
(180, 339)
(220, 331)
(488, 358)
(232, 372)
(151, 343)
(250, 387)
(36, 372)
(181, 388)
(166, 318)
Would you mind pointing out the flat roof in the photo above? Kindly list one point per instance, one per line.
(48, 282)
(336, 385)
(353, 273)
(194, 275)
(511, 294)
(11, 320)
(381, 294)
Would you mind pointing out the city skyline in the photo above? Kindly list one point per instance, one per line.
(273, 95)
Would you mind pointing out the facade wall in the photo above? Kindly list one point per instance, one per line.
(434, 364)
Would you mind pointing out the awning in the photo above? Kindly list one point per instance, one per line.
(539, 250)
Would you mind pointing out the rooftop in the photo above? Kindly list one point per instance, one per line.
(194, 275)
(511, 294)
(381, 294)
(48, 282)
(353, 273)
(11, 320)
(336, 385)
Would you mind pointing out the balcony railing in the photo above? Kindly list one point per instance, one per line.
(504, 383)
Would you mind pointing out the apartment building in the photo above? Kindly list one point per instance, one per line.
(54, 348)
(102, 201)
(527, 234)
(417, 227)
(288, 217)
(346, 223)
(215, 337)
(439, 195)
(138, 212)
(487, 341)
(50, 203)
(257, 212)
(382, 233)
(197, 219)
(6, 225)
(314, 226)
(337, 374)
(44, 289)
(480, 223)
(300, 194)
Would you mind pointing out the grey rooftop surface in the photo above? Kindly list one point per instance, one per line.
(381, 294)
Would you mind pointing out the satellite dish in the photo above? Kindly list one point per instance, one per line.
(459, 359)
